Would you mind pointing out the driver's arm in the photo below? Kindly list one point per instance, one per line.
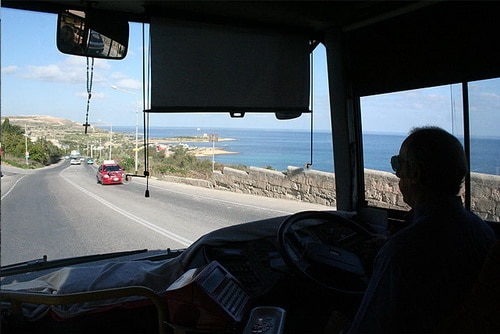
(385, 301)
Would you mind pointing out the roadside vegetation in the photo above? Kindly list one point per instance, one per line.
(48, 149)
(16, 146)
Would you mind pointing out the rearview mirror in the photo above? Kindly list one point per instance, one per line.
(92, 35)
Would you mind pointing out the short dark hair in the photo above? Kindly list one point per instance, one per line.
(439, 158)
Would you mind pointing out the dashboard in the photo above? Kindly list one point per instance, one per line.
(259, 265)
(220, 279)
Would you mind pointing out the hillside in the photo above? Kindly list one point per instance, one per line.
(51, 128)
(64, 133)
(40, 125)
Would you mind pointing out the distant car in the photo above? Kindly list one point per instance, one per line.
(110, 174)
(90, 161)
(96, 43)
(75, 161)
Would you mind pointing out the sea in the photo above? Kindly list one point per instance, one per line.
(279, 149)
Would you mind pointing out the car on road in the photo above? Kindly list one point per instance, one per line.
(109, 173)
(90, 161)
(96, 43)
(75, 161)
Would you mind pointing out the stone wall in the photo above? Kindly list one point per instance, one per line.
(485, 189)
(308, 186)
(383, 191)
(319, 187)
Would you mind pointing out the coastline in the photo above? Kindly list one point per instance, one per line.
(207, 151)
(197, 151)
(189, 139)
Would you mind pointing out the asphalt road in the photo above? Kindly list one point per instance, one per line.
(61, 211)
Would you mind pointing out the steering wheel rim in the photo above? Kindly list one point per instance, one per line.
(344, 262)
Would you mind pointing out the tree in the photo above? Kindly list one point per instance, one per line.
(15, 144)
(38, 153)
(180, 162)
(10, 128)
(12, 139)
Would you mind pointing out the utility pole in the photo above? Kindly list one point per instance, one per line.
(136, 122)
(213, 138)
(27, 154)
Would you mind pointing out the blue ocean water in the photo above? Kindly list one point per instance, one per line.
(282, 148)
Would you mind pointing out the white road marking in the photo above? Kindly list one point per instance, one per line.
(15, 183)
(145, 223)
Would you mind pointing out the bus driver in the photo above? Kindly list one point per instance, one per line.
(424, 271)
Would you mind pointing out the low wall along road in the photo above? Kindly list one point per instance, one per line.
(319, 187)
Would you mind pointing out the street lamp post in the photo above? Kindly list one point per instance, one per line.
(27, 155)
(136, 122)
(110, 137)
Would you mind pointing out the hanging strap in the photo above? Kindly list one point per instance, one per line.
(90, 77)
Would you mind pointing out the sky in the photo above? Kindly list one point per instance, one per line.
(37, 79)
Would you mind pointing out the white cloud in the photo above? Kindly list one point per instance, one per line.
(123, 81)
(81, 62)
(118, 76)
(47, 73)
(490, 96)
(71, 70)
(129, 83)
(9, 69)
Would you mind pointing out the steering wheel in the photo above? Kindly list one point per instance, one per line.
(314, 243)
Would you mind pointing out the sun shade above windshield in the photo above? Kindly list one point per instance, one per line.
(203, 68)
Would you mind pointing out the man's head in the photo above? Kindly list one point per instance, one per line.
(432, 165)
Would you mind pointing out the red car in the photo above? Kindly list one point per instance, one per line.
(110, 173)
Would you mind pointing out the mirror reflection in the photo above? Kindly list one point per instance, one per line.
(77, 35)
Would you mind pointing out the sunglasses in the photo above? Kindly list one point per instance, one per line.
(395, 163)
